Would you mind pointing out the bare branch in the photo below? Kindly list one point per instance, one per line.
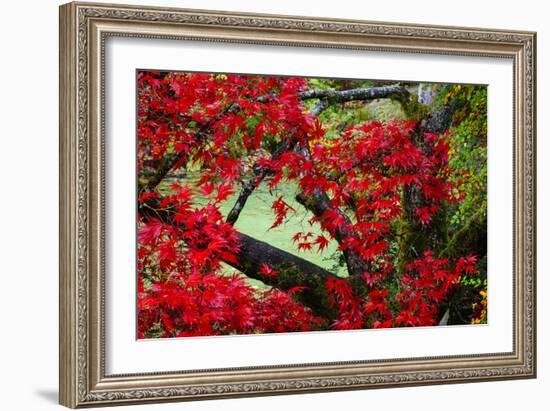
(260, 172)
(248, 187)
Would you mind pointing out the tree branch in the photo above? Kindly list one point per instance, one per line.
(321, 106)
(260, 173)
(319, 203)
(168, 162)
(248, 187)
(367, 93)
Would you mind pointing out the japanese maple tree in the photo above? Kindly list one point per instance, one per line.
(380, 190)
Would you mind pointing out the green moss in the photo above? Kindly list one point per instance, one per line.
(315, 295)
(415, 238)
(476, 222)
(413, 109)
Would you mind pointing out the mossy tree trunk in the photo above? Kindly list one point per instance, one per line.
(415, 236)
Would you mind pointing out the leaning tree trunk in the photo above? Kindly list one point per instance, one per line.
(292, 271)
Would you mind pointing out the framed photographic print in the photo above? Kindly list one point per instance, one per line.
(259, 204)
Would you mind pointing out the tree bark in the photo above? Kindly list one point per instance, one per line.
(292, 271)
(319, 203)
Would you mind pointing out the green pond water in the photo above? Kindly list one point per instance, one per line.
(257, 217)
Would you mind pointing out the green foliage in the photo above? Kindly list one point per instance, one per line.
(338, 117)
(468, 150)
(467, 218)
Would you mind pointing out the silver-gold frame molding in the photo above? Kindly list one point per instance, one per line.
(84, 27)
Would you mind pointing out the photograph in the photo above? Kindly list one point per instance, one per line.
(277, 204)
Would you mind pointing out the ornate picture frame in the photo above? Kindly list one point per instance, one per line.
(84, 29)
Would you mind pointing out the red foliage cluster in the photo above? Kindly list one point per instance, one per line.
(211, 304)
(217, 122)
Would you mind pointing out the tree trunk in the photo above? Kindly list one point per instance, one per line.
(416, 237)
